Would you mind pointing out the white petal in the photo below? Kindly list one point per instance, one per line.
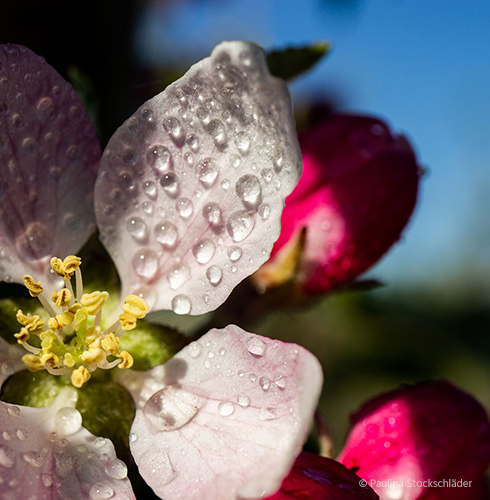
(10, 360)
(191, 187)
(229, 416)
(46, 455)
(49, 153)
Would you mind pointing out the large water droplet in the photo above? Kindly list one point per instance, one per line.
(226, 408)
(214, 274)
(178, 275)
(101, 491)
(145, 263)
(212, 213)
(217, 130)
(240, 225)
(137, 228)
(193, 142)
(195, 349)
(207, 172)
(171, 408)
(30, 146)
(33, 458)
(170, 184)
(256, 346)
(249, 191)
(234, 253)
(175, 130)
(46, 110)
(181, 304)
(68, 421)
(116, 469)
(159, 157)
(203, 251)
(166, 234)
(184, 207)
(242, 141)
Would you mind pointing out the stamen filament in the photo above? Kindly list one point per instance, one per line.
(46, 305)
(68, 285)
(30, 348)
(78, 276)
(57, 371)
(110, 364)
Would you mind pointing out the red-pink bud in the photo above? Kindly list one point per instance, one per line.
(356, 194)
(406, 443)
(317, 478)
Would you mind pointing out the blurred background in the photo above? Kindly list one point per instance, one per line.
(424, 67)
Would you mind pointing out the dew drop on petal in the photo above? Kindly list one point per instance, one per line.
(145, 263)
(116, 469)
(150, 189)
(136, 228)
(8, 456)
(22, 434)
(175, 130)
(181, 304)
(47, 479)
(212, 213)
(46, 110)
(226, 408)
(207, 172)
(203, 251)
(147, 207)
(264, 383)
(13, 411)
(242, 141)
(248, 190)
(266, 174)
(170, 183)
(234, 253)
(101, 491)
(217, 130)
(184, 207)
(33, 458)
(195, 349)
(68, 421)
(166, 234)
(280, 381)
(214, 275)
(243, 400)
(159, 157)
(235, 161)
(256, 346)
(240, 225)
(268, 414)
(178, 275)
(264, 211)
(193, 142)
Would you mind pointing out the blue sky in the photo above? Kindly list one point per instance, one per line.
(422, 65)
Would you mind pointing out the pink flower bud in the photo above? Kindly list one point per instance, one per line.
(429, 441)
(317, 478)
(355, 196)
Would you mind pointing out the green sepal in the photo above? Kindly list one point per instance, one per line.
(293, 61)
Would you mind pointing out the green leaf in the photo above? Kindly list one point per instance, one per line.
(292, 61)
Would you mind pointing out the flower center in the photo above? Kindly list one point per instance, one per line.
(72, 339)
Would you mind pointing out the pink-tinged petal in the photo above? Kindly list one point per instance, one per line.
(225, 418)
(428, 432)
(356, 194)
(318, 478)
(49, 153)
(191, 187)
(45, 454)
(10, 360)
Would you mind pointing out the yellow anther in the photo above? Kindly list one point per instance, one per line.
(57, 266)
(49, 358)
(32, 285)
(136, 306)
(71, 263)
(61, 320)
(94, 301)
(68, 360)
(127, 360)
(128, 321)
(32, 323)
(79, 376)
(94, 354)
(47, 339)
(110, 343)
(80, 316)
(92, 334)
(33, 362)
(62, 297)
(22, 336)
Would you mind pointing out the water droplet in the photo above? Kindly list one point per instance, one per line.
(166, 234)
(47, 479)
(235, 161)
(195, 349)
(268, 413)
(240, 225)
(13, 411)
(234, 253)
(30, 146)
(212, 213)
(243, 400)
(226, 408)
(266, 174)
(46, 110)
(280, 381)
(33, 458)
(129, 156)
(252, 377)
(178, 275)
(193, 142)
(171, 408)
(189, 159)
(22, 434)
(265, 383)
(126, 180)
(181, 304)
(116, 469)
(170, 184)
(264, 211)
(225, 184)
(175, 130)
(68, 421)
(100, 442)
(242, 141)
(159, 157)
(207, 172)
(203, 251)
(74, 113)
(217, 130)
(101, 491)
(137, 228)
(145, 263)
(133, 124)
(256, 346)
(184, 207)
(7, 456)
(249, 191)
(133, 437)
(214, 274)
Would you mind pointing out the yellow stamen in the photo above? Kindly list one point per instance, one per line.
(22, 336)
(127, 360)
(49, 358)
(57, 266)
(94, 354)
(33, 362)
(61, 298)
(79, 376)
(128, 321)
(110, 343)
(68, 360)
(67, 267)
(136, 306)
(33, 324)
(92, 334)
(94, 301)
(32, 285)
